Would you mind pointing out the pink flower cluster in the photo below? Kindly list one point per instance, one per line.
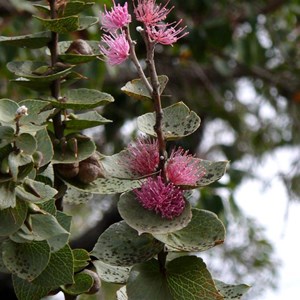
(152, 16)
(162, 196)
(115, 45)
(143, 157)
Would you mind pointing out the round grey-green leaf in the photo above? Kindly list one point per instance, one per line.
(121, 245)
(146, 221)
(109, 273)
(204, 231)
(27, 143)
(178, 121)
(137, 89)
(8, 110)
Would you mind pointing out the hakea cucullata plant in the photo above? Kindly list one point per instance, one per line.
(46, 160)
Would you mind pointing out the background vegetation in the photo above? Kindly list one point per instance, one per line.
(233, 47)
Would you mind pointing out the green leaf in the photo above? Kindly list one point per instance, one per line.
(231, 292)
(74, 57)
(68, 24)
(144, 220)
(85, 149)
(59, 270)
(35, 191)
(106, 185)
(37, 113)
(49, 207)
(147, 282)
(60, 25)
(7, 195)
(27, 143)
(203, 232)
(26, 260)
(37, 71)
(109, 273)
(8, 110)
(86, 22)
(81, 99)
(11, 219)
(7, 135)
(32, 41)
(120, 245)
(188, 278)
(81, 259)
(28, 291)
(178, 121)
(17, 160)
(42, 86)
(46, 227)
(137, 89)
(75, 7)
(85, 120)
(44, 146)
(213, 171)
(82, 283)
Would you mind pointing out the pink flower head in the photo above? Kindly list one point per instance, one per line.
(117, 18)
(116, 49)
(149, 13)
(166, 34)
(183, 169)
(164, 199)
(143, 157)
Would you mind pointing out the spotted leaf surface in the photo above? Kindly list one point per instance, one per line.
(231, 292)
(146, 221)
(178, 121)
(137, 89)
(26, 260)
(213, 171)
(106, 185)
(122, 293)
(75, 196)
(203, 232)
(120, 245)
(109, 273)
